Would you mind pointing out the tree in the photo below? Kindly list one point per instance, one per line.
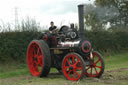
(92, 19)
(121, 7)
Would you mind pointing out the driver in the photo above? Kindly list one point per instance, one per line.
(52, 28)
(53, 34)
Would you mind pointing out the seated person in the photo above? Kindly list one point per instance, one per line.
(47, 35)
(52, 28)
(52, 36)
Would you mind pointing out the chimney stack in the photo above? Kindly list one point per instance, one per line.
(81, 20)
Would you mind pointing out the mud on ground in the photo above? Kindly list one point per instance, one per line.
(112, 77)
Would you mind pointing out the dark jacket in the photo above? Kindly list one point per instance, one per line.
(52, 28)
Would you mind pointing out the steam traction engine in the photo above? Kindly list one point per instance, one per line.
(66, 50)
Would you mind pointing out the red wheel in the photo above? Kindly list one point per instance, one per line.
(36, 58)
(96, 66)
(73, 66)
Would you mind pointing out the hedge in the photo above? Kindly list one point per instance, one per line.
(108, 41)
(13, 45)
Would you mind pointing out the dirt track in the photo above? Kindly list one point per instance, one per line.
(115, 76)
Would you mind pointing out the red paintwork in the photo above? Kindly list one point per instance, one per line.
(45, 37)
(95, 69)
(34, 52)
(74, 62)
(86, 42)
(53, 40)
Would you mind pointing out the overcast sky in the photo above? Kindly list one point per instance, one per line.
(43, 11)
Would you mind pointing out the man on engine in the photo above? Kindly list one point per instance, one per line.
(52, 28)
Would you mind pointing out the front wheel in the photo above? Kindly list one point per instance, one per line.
(95, 67)
(73, 66)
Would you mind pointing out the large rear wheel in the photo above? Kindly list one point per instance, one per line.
(73, 66)
(95, 67)
(38, 58)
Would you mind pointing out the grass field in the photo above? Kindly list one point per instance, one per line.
(116, 73)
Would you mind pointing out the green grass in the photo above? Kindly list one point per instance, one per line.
(12, 70)
(117, 61)
(17, 74)
(13, 73)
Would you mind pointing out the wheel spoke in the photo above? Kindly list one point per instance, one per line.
(35, 65)
(97, 61)
(68, 62)
(34, 62)
(77, 73)
(73, 59)
(79, 68)
(98, 66)
(73, 75)
(38, 51)
(88, 68)
(34, 53)
(36, 68)
(69, 72)
(77, 62)
(96, 70)
(91, 70)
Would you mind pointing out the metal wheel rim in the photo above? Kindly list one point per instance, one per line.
(95, 69)
(35, 59)
(77, 71)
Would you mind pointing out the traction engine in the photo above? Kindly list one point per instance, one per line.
(66, 50)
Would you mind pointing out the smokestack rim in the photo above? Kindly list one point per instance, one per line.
(81, 5)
